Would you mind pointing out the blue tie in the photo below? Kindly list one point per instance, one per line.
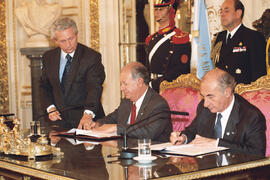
(66, 72)
(218, 129)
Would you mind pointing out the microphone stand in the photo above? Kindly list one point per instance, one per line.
(126, 153)
(35, 136)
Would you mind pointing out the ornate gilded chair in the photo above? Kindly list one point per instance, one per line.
(182, 95)
(258, 93)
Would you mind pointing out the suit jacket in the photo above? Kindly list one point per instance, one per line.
(83, 88)
(244, 132)
(153, 120)
(244, 57)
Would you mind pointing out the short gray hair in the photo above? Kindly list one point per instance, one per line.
(63, 24)
(226, 80)
(138, 70)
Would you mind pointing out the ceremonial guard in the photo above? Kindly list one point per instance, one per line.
(169, 49)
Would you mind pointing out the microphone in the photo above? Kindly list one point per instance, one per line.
(126, 153)
(59, 109)
(7, 114)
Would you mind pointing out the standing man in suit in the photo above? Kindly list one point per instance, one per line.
(72, 78)
(242, 50)
(168, 50)
(224, 118)
(143, 113)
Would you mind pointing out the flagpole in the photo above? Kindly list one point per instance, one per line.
(195, 35)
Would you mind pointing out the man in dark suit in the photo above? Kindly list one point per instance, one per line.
(239, 50)
(168, 50)
(143, 113)
(224, 118)
(72, 78)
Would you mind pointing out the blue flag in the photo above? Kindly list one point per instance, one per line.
(201, 44)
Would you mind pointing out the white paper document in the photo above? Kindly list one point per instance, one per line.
(77, 142)
(91, 133)
(186, 149)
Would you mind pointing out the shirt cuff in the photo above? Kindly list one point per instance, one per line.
(186, 138)
(90, 112)
(217, 142)
(48, 108)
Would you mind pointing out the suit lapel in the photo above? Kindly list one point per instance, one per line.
(55, 69)
(234, 42)
(74, 67)
(144, 104)
(210, 122)
(127, 111)
(233, 120)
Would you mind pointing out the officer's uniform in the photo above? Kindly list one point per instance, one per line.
(244, 56)
(168, 58)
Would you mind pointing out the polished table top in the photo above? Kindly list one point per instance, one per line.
(94, 161)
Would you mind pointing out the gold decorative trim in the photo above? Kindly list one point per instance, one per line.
(31, 172)
(15, 57)
(220, 170)
(184, 80)
(4, 100)
(261, 83)
(94, 24)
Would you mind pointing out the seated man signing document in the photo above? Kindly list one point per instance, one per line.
(224, 118)
(143, 113)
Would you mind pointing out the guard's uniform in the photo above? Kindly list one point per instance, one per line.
(168, 54)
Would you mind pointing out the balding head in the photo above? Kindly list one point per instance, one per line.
(138, 70)
(217, 90)
(223, 79)
(134, 79)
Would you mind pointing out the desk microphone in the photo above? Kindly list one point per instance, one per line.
(126, 153)
(60, 110)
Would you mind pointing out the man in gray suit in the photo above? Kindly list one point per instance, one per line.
(143, 113)
(224, 118)
(72, 78)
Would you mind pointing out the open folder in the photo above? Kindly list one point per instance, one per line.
(88, 135)
(186, 149)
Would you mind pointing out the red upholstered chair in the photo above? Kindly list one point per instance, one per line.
(258, 94)
(182, 95)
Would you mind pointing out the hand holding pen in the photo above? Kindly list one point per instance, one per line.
(177, 138)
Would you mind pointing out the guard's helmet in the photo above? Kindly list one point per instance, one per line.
(163, 3)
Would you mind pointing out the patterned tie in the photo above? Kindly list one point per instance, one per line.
(133, 114)
(229, 39)
(66, 72)
(218, 129)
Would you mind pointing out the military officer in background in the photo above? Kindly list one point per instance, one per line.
(169, 49)
(239, 50)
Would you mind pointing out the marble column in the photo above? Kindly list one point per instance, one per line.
(35, 56)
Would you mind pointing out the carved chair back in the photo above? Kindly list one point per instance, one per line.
(182, 95)
(258, 94)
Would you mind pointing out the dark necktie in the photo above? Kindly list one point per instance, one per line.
(218, 129)
(66, 72)
(229, 39)
(133, 114)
